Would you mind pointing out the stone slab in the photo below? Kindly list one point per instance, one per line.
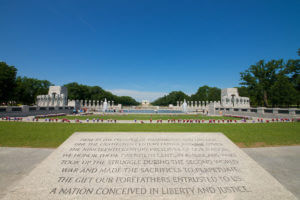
(17, 163)
(148, 166)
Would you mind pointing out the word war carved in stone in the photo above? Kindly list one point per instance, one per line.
(148, 166)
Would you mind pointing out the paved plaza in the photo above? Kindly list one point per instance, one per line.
(281, 162)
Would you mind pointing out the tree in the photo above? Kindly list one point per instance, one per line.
(201, 94)
(76, 91)
(283, 92)
(214, 94)
(126, 100)
(206, 93)
(84, 92)
(260, 77)
(243, 91)
(276, 82)
(171, 98)
(27, 89)
(292, 70)
(7, 82)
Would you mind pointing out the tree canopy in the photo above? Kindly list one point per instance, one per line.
(7, 82)
(171, 98)
(204, 93)
(24, 90)
(274, 83)
(27, 89)
(81, 92)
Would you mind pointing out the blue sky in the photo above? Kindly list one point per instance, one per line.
(146, 48)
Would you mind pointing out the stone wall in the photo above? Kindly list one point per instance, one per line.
(24, 111)
(257, 112)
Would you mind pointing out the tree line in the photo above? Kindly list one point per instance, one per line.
(23, 90)
(275, 83)
(81, 92)
(204, 93)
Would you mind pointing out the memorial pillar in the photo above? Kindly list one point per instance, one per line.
(261, 111)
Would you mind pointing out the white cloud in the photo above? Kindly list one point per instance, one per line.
(138, 95)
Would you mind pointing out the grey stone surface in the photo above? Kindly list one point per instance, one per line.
(16, 163)
(282, 162)
(148, 166)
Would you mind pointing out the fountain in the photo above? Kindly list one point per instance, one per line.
(184, 106)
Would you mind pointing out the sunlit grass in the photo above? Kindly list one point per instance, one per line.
(22, 134)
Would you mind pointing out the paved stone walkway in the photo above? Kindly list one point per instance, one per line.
(281, 162)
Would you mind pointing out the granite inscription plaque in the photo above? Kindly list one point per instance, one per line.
(127, 165)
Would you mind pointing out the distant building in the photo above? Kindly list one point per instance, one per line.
(145, 102)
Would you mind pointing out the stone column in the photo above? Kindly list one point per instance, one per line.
(57, 103)
(275, 111)
(47, 100)
(292, 111)
(25, 109)
(261, 111)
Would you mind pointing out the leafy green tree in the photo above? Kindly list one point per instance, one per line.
(126, 100)
(206, 93)
(171, 98)
(283, 92)
(214, 94)
(7, 82)
(77, 91)
(201, 94)
(276, 82)
(27, 89)
(243, 91)
(82, 92)
(292, 70)
(260, 77)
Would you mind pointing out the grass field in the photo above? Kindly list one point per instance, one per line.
(143, 117)
(51, 135)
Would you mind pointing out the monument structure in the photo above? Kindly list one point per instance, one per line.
(57, 96)
(139, 166)
(230, 98)
(145, 103)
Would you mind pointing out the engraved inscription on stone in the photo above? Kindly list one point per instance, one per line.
(149, 166)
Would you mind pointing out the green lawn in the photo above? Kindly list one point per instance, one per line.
(142, 117)
(22, 134)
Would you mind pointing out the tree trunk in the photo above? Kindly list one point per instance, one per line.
(265, 99)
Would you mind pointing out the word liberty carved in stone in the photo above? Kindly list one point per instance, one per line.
(148, 166)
